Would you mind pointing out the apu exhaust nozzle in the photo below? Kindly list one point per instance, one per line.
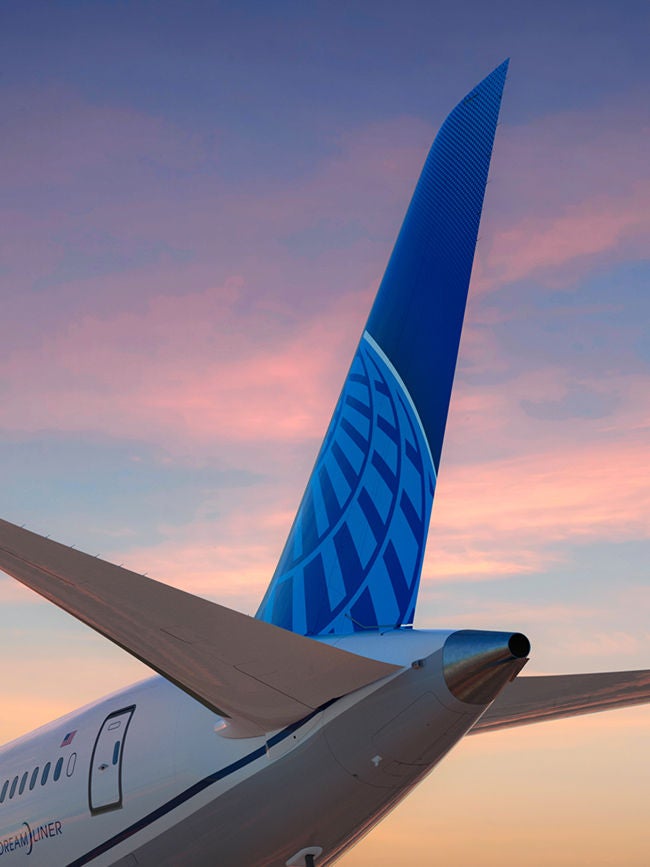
(477, 664)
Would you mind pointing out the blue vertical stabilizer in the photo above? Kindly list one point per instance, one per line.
(354, 554)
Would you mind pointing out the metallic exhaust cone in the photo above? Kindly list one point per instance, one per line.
(477, 664)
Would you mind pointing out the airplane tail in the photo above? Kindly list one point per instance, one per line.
(354, 554)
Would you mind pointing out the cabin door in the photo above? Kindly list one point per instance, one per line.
(105, 783)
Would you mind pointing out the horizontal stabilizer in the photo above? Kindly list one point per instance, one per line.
(261, 676)
(535, 699)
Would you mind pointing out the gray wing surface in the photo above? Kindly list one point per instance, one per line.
(534, 699)
(261, 676)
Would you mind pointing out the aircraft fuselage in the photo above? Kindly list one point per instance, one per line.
(150, 777)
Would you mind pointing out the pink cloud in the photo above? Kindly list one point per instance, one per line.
(541, 215)
(565, 191)
(14, 593)
(498, 519)
(209, 372)
(232, 573)
(194, 373)
(513, 489)
(586, 487)
(507, 517)
(542, 246)
(198, 367)
(191, 369)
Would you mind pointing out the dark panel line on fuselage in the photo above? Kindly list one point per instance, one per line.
(193, 790)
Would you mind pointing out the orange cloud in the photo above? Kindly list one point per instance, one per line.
(571, 793)
(78, 678)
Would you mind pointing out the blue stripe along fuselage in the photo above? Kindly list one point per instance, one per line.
(194, 790)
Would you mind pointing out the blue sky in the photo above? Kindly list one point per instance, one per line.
(197, 206)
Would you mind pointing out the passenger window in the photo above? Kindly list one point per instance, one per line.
(23, 783)
(32, 782)
(72, 761)
(46, 771)
(4, 791)
(57, 769)
(116, 752)
(12, 790)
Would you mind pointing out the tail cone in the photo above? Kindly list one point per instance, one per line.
(477, 664)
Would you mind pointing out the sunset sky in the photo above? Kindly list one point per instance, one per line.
(197, 203)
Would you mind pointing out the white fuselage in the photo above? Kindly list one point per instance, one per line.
(150, 776)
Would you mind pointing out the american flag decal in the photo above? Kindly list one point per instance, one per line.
(67, 740)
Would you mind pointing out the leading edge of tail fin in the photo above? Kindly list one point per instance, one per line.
(354, 554)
